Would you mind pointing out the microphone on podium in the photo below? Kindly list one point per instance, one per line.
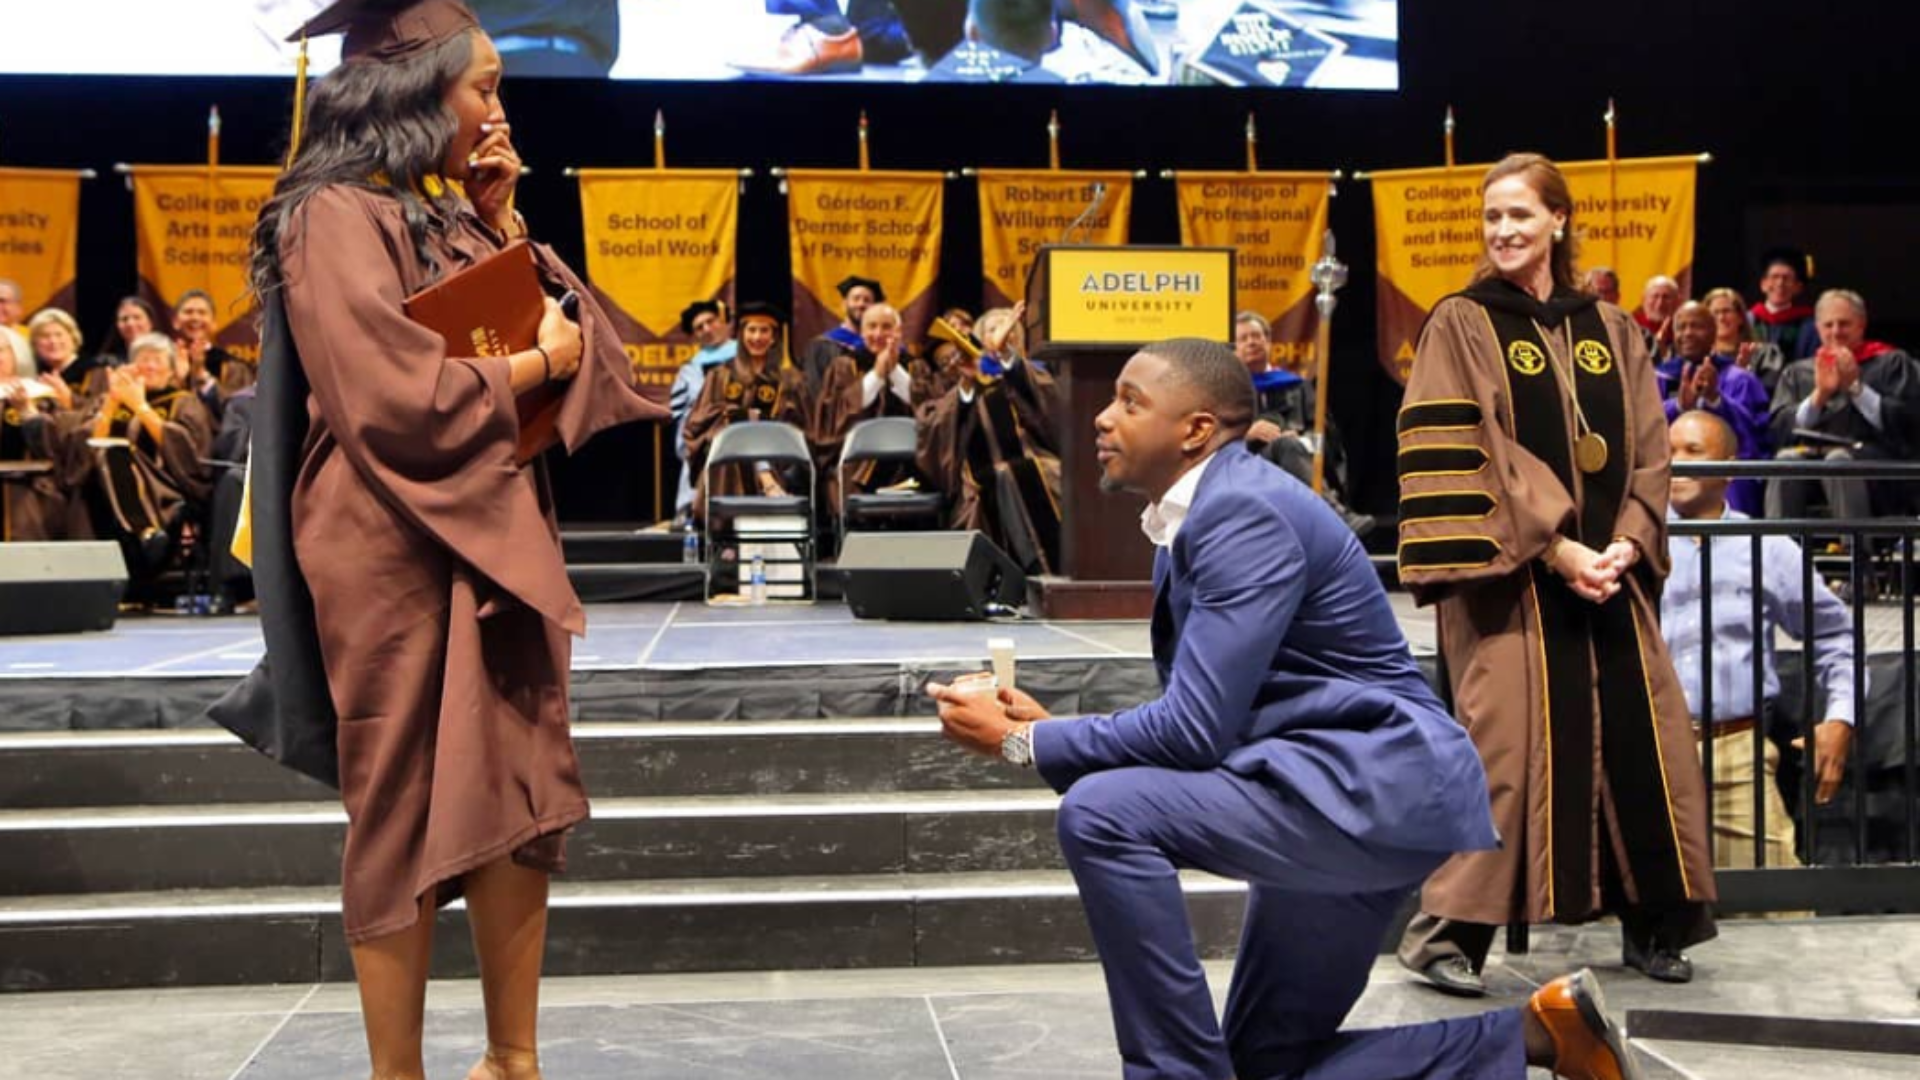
(1099, 197)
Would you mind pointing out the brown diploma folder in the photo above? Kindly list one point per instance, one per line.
(494, 308)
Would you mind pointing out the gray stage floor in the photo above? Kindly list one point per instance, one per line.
(620, 637)
(682, 636)
(992, 1023)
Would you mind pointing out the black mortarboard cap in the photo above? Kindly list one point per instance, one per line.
(854, 281)
(759, 309)
(1801, 262)
(697, 309)
(388, 30)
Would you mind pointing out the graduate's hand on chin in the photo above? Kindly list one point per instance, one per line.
(972, 721)
(493, 171)
(561, 337)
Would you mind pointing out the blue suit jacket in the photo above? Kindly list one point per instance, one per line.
(1281, 660)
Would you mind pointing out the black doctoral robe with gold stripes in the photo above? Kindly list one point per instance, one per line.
(1595, 780)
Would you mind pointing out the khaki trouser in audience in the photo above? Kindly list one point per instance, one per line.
(1733, 824)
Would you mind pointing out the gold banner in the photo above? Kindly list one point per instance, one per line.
(879, 225)
(1275, 222)
(657, 240)
(1428, 237)
(1022, 210)
(39, 234)
(194, 226)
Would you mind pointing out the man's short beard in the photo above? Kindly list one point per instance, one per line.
(1110, 486)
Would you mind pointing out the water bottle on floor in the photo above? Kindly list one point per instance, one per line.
(757, 584)
(690, 549)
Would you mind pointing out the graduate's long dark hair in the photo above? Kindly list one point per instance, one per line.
(380, 126)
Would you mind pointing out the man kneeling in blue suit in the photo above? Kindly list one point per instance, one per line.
(1296, 747)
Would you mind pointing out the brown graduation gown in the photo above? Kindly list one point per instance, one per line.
(150, 484)
(34, 504)
(840, 407)
(996, 456)
(1575, 708)
(440, 595)
(727, 395)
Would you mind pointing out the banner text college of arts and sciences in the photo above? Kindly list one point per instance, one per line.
(1276, 224)
(880, 225)
(194, 227)
(1427, 224)
(658, 240)
(39, 235)
(1023, 210)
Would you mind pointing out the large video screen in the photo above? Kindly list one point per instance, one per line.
(1329, 44)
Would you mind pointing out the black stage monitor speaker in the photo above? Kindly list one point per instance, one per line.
(60, 588)
(928, 575)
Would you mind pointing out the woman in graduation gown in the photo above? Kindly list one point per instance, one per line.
(759, 383)
(138, 459)
(440, 606)
(1533, 502)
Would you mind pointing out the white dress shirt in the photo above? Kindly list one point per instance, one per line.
(1161, 520)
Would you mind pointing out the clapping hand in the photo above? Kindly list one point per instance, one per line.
(1699, 385)
(887, 357)
(1834, 371)
(124, 387)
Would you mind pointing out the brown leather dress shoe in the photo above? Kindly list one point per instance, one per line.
(808, 50)
(1587, 1044)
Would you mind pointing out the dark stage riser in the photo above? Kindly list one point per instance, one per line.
(171, 858)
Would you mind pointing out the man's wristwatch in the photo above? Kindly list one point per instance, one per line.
(1017, 747)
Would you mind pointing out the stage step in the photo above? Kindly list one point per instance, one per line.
(204, 847)
(635, 582)
(845, 921)
(171, 858)
(600, 544)
(652, 759)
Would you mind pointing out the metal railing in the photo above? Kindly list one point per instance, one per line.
(1881, 802)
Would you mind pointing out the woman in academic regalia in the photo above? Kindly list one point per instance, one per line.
(435, 646)
(1533, 504)
(138, 459)
(34, 505)
(759, 383)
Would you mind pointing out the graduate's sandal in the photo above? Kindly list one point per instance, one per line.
(1587, 1045)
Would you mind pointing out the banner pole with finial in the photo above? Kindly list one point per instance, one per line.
(1053, 140)
(1253, 143)
(1613, 189)
(1448, 128)
(213, 167)
(1327, 275)
(659, 138)
(866, 161)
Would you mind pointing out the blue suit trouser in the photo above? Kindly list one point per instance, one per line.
(1319, 905)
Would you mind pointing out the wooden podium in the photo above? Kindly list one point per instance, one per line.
(1089, 309)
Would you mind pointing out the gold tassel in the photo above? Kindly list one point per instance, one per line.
(299, 102)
